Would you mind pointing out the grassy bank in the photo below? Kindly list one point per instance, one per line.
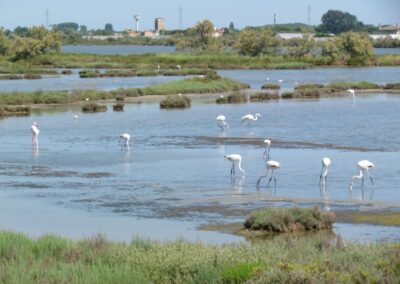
(207, 84)
(51, 259)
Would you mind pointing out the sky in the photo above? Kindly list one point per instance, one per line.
(95, 14)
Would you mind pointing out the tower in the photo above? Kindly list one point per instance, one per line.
(180, 17)
(137, 19)
(159, 25)
(309, 10)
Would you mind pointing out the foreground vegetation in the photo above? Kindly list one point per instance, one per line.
(211, 83)
(51, 259)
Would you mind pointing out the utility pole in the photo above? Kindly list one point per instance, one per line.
(274, 19)
(180, 17)
(309, 10)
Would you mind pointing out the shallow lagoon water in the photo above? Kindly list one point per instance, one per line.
(175, 175)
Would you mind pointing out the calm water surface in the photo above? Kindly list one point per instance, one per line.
(118, 49)
(175, 177)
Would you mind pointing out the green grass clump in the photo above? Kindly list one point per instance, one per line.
(89, 74)
(32, 76)
(310, 93)
(50, 259)
(281, 220)
(14, 110)
(259, 97)
(94, 107)
(175, 101)
(237, 98)
(118, 107)
(287, 95)
(222, 100)
(270, 86)
(343, 86)
(11, 77)
(66, 72)
(309, 86)
(392, 86)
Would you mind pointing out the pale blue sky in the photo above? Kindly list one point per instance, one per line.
(120, 13)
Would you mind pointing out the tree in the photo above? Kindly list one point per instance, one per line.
(231, 27)
(205, 32)
(256, 42)
(83, 29)
(108, 28)
(21, 31)
(4, 43)
(357, 45)
(336, 22)
(67, 26)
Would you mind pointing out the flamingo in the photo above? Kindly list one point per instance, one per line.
(352, 92)
(221, 122)
(250, 117)
(76, 116)
(158, 68)
(35, 133)
(326, 162)
(178, 67)
(235, 158)
(280, 81)
(267, 143)
(271, 166)
(267, 79)
(363, 167)
(124, 137)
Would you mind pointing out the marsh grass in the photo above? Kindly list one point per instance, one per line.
(260, 97)
(195, 85)
(50, 259)
(175, 101)
(280, 220)
(237, 98)
(94, 107)
(14, 110)
(118, 107)
(270, 86)
(287, 95)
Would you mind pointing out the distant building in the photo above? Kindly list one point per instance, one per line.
(132, 33)
(392, 31)
(218, 32)
(150, 34)
(289, 35)
(159, 25)
(103, 37)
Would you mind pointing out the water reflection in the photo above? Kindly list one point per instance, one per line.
(237, 184)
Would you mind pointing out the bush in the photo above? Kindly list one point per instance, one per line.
(222, 100)
(271, 86)
(31, 76)
(308, 86)
(287, 95)
(94, 107)
(280, 220)
(237, 98)
(175, 101)
(259, 97)
(392, 86)
(66, 72)
(118, 107)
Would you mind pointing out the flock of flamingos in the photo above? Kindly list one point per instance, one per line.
(236, 159)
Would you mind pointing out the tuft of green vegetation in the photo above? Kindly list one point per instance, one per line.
(270, 86)
(14, 110)
(237, 98)
(50, 259)
(281, 220)
(175, 101)
(94, 107)
(66, 72)
(118, 107)
(32, 76)
(392, 86)
(259, 97)
(385, 218)
(287, 95)
(309, 86)
(343, 86)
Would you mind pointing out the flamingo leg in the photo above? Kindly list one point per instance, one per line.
(275, 183)
(370, 177)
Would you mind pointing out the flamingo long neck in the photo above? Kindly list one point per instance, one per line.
(240, 166)
(256, 117)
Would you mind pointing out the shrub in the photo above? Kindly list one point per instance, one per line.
(392, 86)
(89, 74)
(66, 72)
(31, 76)
(308, 86)
(175, 101)
(237, 98)
(94, 107)
(279, 220)
(118, 107)
(271, 86)
(258, 97)
(222, 100)
(287, 95)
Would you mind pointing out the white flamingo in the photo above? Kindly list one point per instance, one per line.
(323, 178)
(363, 167)
(35, 133)
(235, 158)
(250, 117)
(125, 138)
(352, 93)
(267, 143)
(271, 166)
(76, 116)
(221, 122)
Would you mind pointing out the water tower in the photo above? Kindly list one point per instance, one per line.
(137, 19)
